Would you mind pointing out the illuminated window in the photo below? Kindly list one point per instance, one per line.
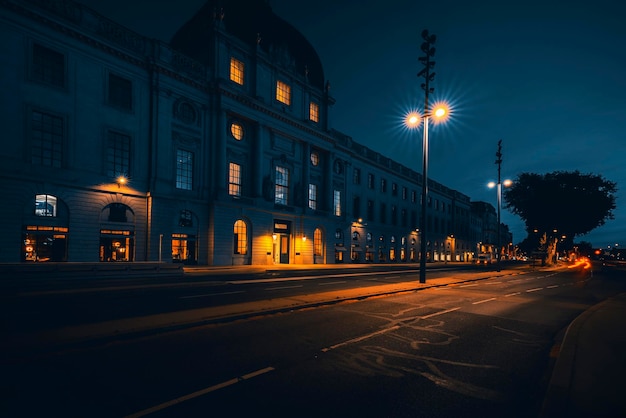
(313, 196)
(337, 203)
(236, 130)
(314, 112)
(283, 92)
(240, 235)
(317, 242)
(236, 71)
(184, 169)
(234, 179)
(281, 196)
(315, 158)
(118, 155)
(45, 205)
(47, 132)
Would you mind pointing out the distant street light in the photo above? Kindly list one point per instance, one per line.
(507, 183)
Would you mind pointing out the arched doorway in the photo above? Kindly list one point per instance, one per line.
(117, 233)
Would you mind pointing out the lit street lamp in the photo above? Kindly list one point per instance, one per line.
(413, 121)
(498, 185)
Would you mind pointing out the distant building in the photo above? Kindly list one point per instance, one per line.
(214, 149)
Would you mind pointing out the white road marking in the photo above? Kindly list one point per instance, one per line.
(483, 301)
(513, 294)
(361, 338)
(199, 393)
(492, 282)
(553, 286)
(211, 294)
(534, 290)
(469, 285)
(284, 287)
(440, 312)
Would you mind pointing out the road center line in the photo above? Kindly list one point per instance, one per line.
(512, 294)
(534, 290)
(483, 301)
(440, 312)
(284, 287)
(552, 286)
(361, 338)
(211, 294)
(200, 393)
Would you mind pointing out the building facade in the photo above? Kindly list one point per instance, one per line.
(215, 149)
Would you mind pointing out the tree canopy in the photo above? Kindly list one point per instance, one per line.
(568, 202)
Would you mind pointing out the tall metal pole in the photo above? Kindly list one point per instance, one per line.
(499, 192)
(429, 52)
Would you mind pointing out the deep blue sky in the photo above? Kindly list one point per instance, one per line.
(547, 77)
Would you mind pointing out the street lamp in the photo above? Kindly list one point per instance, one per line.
(498, 186)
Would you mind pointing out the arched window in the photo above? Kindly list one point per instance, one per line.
(317, 242)
(45, 205)
(240, 237)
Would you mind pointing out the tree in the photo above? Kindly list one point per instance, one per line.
(560, 205)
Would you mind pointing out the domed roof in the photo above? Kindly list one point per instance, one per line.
(249, 20)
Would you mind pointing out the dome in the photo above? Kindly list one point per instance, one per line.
(247, 19)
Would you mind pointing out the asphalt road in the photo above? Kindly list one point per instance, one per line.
(473, 349)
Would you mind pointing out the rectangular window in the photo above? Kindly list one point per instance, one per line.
(184, 169)
(356, 179)
(281, 193)
(313, 196)
(118, 155)
(120, 92)
(413, 196)
(383, 185)
(314, 112)
(283, 92)
(48, 66)
(394, 215)
(394, 189)
(370, 181)
(337, 203)
(236, 71)
(370, 209)
(383, 213)
(404, 191)
(47, 139)
(356, 207)
(234, 179)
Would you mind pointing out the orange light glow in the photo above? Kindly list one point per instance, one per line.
(440, 112)
(413, 120)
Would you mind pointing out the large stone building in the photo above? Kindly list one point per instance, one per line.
(214, 149)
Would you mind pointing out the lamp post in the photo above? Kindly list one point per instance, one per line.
(499, 200)
(429, 52)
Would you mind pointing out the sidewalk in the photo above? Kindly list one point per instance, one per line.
(588, 377)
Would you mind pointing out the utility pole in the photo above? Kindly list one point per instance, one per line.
(499, 192)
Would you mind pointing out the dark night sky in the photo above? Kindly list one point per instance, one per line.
(547, 77)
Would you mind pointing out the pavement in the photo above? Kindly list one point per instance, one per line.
(587, 378)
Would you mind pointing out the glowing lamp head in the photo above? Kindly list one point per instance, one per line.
(413, 120)
(491, 184)
(507, 183)
(440, 112)
(121, 180)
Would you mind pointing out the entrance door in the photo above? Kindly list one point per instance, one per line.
(284, 249)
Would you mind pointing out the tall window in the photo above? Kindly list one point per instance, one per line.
(383, 213)
(184, 169)
(317, 242)
(356, 177)
(283, 92)
(370, 181)
(240, 237)
(281, 194)
(120, 92)
(234, 179)
(48, 66)
(47, 139)
(337, 202)
(313, 196)
(314, 112)
(383, 185)
(370, 209)
(236, 71)
(118, 155)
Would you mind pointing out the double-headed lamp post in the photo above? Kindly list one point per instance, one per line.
(413, 120)
(498, 186)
